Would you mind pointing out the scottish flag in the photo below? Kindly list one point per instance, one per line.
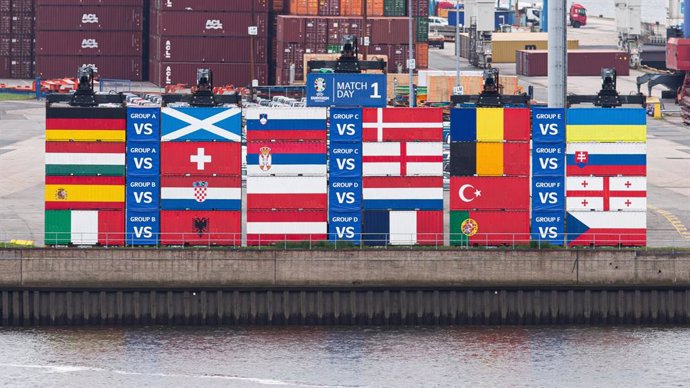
(201, 124)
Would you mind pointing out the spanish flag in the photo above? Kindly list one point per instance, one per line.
(84, 192)
(86, 124)
(85, 227)
(599, 125)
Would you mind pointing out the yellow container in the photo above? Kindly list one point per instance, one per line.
(489, 124)
(489, 159)
(654, 107)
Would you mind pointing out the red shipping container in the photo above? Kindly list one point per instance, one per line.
(207, 49)
(238, 74)
(21, 46)
(516, 158)
(210, 23)
(89, 43)
(485, 228)
(211, 5)
(267, 227)
(201, 158)
(6, 24)
(678, 54)
(4, 66)
(329, 7)
(137, 3)
(534, 63)
(5, 5)
(290, 29)
(489, 193)
(107, 67)
(516, 124)
(89, 18)
(22, 24)
(195, 227)
(111, 227)
(5, 45)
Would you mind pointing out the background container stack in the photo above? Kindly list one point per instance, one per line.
(106, 34)
(606, 184)
(143, 176)
(402, 169)
(489, 184)
(188, 34)
(201, 181)
(16, 38)
(85, 176)
(286, 175)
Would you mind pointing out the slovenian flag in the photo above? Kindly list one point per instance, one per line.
(201, 124)
(291, 192)
(598, 125)
(84, 192)
(286, 124)
(606, 228)
(606, 193)
(82, 158)
(265, 158)
(86, 124)
(201, 193)
(84, 227)
(489, 124)
(412, 227)
(402, 159)
(402, 193)
(606, 159)
(266, 227)
(402, 124)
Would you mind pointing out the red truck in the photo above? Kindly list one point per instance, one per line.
(578, 16)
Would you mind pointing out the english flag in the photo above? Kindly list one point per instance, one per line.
(402, 193)
(201, 193)
(292, 158)
(402, 124)
(402, 159)
(606, 159)
(606, 193)
(201, 124)
(201, 158)
(286, 124)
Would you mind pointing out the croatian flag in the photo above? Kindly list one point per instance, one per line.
(286, 124)
(606, 159)
(265, 227)
(265, 158)
(292, 192)
(201, 124)
(402, 159)
(402, 193)
(201, 193)
(402, 124)
(606, 193)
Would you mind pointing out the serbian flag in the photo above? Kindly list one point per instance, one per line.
(402, 124)
(402, 159)
(484, 228)
(402, 193)
(412, 227)
(267, 227)
(291, 192)
(85, 227)
(84, 192)
(606, 159)
(82, 158)
(606, 228)
(286, 123)
(606, 193)
(265, 158)
(197, 227)
(86, 124)
(201, 158)
(201, 193)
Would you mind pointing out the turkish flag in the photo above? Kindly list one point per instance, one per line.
(201, 158)
(489, 193)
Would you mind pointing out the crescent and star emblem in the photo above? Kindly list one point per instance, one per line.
(463, 197)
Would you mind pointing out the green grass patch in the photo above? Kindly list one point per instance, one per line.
(16, 97)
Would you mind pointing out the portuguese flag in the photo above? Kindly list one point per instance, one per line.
(85, 159)
(489, 228)
(84, 192)
(85, 227)
(86, 124)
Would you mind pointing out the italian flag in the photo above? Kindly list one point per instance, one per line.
(484, 228)
(85, 159)
(84, 227)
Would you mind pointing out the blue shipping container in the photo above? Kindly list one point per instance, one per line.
(345, 160)
(346, 90)
(548, 193)
(548, 125)
(548, 159)
(375, 227)
(143, 125)
(142, 227)
(143, 158)
(143, 192)
(346, 125)
(548, 227)
(345, 195)
(345, 226)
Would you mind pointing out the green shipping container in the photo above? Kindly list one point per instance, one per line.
(456, 235)
(333, 49)
(394, 8)
(422, 29)
(58, 227)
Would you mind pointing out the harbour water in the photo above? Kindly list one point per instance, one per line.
(345, 357)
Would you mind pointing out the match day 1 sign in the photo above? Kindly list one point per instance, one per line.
(346, 90)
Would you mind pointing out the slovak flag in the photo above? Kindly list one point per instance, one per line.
(606, 193)
(286, 124)
(606, 159)
(265, 158)
(402, 124)
(201, 124)
(201, 193)
(402, 193)
(402, 159)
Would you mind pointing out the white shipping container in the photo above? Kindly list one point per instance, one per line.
(606, 193)
(402, 159)
(287, 185)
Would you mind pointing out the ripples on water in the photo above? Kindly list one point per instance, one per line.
(345, 357)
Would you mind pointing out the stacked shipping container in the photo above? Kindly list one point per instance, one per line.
(16, 38)
(489, 168)
(286, 175)
(186, 35)
(106, 34)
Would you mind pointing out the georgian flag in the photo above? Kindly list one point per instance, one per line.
(606, 193)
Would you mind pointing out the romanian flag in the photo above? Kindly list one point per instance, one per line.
(598, 125)
(81, 158)
(86, 124)
(489, 159)
(489, 228)
(84, 192)
(85, 227)
(489, 124)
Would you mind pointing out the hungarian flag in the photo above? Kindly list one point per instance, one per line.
(86, 124)
(489, 124)
(286, 124)
(201, 124)
(84, 192)
(266, 158)
(199, 227)
(489, 228)
(489, 193)
(606, 159)
(606, 193)
(413, 227)
(489, 159)
(402, 159)
(201, 158)
(85, 227)
(201, 193)
(596, 125)
(606, 228)
(402, 124)
(81, 158)
(267, 227)
(293, 192)
(402, 193)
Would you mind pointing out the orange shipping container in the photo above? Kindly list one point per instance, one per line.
(422, 55)
(304, 7)
(354, 7)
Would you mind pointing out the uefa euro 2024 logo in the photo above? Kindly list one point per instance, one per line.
(320, 85)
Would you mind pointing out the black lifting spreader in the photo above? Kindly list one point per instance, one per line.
(491, 96)
(203, 96)
(85, 96)
(608, 96)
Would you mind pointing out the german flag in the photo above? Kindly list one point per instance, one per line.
(86, 124)
(84, 192)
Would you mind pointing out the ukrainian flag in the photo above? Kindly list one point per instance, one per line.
(599, 125)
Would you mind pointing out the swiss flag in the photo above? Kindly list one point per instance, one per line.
(205, 158)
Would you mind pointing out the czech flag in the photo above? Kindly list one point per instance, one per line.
(606, 159)
(606, 228)
(286, 124)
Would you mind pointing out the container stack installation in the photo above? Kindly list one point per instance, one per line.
(16, 39)
(489, 184)
(201, 181)
(286, 175)
(402, 169)
(107, 35)
(606, 184)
